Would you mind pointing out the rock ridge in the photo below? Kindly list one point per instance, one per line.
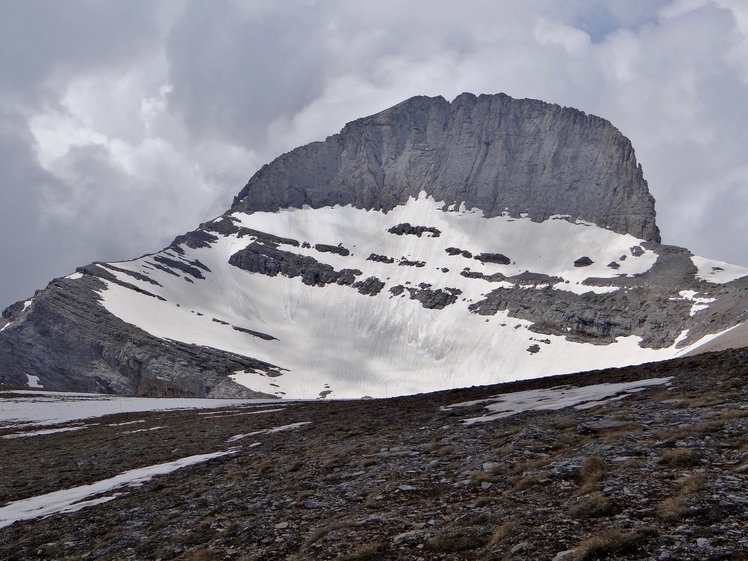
(488, 152)
(75, 344)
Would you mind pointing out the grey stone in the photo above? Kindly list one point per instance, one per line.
(73, 343)
(406, 229)
(481, 151)
(633, 309)
(498, 258)
(434, 299)
(370, 286)
(336, 249)
(313, 505)
(601, 424)
(271, 261)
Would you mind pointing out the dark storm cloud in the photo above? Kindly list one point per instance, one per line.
(234, 71)
(44, 40)
(22, 252)
(42, 43)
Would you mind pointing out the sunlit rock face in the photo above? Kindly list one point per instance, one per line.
(433, 245)
(491, 153)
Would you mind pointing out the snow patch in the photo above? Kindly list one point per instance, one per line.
(698, 303)
(142, 430)
(682, 337)
(552, 399)
(223, 415)
(26, 306)
(74, 276)
(717, 271)
(336, 342)
(71, 500)
(50, 408)
(42, 432)
(694, 347)
(126, 423)
(281, 428)
(33, 381)
(332, 341)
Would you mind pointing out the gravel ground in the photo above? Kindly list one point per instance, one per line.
(660, 474)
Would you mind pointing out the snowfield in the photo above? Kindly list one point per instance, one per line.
(38, 408)
(335, 341)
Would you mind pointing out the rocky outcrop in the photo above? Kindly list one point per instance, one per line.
(491, 152)
(647, 305)
(270, 261)
(74, 344)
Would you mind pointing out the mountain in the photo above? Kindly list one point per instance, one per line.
(433, 245)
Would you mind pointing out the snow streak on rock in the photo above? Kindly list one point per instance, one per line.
(72, 500)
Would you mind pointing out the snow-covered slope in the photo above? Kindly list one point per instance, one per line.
(345, 340)
(433, 245)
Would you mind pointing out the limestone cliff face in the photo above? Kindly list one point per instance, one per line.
(490, 152)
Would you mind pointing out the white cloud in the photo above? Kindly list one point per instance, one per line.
(556, 33)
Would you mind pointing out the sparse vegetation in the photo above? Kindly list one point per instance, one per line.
(680, 457)
(368, 552)
(673, 509)
(321, 532)
(614, 542)
(264, 468)
(592, 506)
(525, 483)
(676, 507)
(412, 481)
(447, 450)
(456, 541)
(519, 468)
(591, 473)
(502, 533)
(203, 554)
(692, 484)
(679, 432)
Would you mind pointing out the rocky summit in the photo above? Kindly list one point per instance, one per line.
(434, 245)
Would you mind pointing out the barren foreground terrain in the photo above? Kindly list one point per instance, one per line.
(658, 471)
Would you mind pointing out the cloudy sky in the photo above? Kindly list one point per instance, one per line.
(125, 123)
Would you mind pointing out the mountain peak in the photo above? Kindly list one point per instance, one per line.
(433, 245)
(489, 152)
